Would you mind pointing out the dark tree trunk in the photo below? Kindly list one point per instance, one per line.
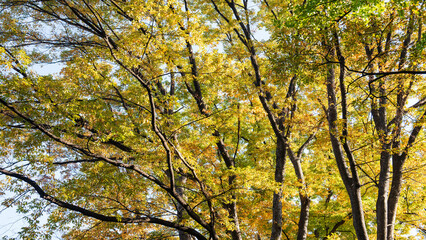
(277, 221)
(180, 209)
(351, 181)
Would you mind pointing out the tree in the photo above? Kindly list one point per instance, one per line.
(170, 120)
(385, 62)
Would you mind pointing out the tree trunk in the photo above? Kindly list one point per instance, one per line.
(398, 163)
(277, 220)
(304, 217)
(180, 209)
(382, 197)
(232, 210)
(351, 181)
(304, 198)
(232, 207)
(394, 194)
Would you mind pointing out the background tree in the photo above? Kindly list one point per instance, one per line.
(345, 31)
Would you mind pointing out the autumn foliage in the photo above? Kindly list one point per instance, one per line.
(214, 119)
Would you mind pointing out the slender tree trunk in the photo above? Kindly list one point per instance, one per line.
(304, 198)
(303, 217)
(195, 91)
(232, 207)
(246, 39)
(233, 213)
(180, 209)
(351, 181)
(394, 194)
(277, 220)
(380, 121)
(358, 215)
(398, 163)
(399, 159)
(382, 197)
(232, 210)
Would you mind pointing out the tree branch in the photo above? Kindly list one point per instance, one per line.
(90, 213)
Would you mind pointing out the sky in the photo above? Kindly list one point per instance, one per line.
(10, 221)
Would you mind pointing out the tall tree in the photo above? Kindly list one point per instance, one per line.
(374, 28)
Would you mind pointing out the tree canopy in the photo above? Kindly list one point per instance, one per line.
(214, 119)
